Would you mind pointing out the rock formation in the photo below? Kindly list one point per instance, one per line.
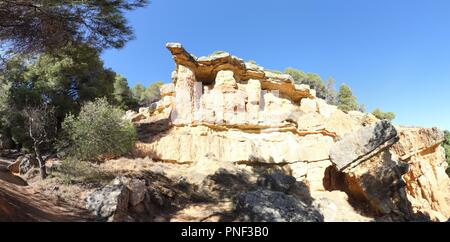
(220, 108)
(402, 177)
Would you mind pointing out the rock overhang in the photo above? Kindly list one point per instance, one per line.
(207, 67)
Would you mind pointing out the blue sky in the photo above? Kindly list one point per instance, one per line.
(395, 55)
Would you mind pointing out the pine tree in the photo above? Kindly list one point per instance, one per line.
(122, 93)
(346, 101)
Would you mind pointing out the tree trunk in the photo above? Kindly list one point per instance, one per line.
(42, 168)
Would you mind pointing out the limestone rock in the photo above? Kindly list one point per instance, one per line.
(137, 191)
(167, 90)
(335, 207)
(112, 201)
(315, 175)
(23, 164)
(272, 206)
(427, 184)
(406, 181)
(221, 112)
(188, 144)
(358, 146)
(109, 202)
(183, 109)
(276, 181)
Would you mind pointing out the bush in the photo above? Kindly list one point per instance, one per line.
(383, 115)
(446, 145)
(99, 132)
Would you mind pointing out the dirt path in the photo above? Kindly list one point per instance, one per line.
(19, 202)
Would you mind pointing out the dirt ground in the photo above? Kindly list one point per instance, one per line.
(22, 203)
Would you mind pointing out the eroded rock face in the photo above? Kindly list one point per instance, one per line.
(427, 184)
(360, 145)
(401, 180)
(242, 114)
(220, 110)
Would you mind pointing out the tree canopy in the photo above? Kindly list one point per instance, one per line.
(63, 80)
(311, 79)
(146, 96)
(36, 26)
(122, 94)
(346, 101)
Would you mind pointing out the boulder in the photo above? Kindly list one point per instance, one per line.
(360, 145)
(112, 201)
(335, 207)
(403, 182)
(137, 189)
(109, 202)
(276, 181)
(272, 206)
(23, 164)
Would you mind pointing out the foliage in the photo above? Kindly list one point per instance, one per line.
(122, 94)
(36, 26)
(40, 124)
(217, 52)
(63, 80)
(346, 101)
(383, 115)
(446, 146)
(99, 132)
(311, 79)
(137, 91)
(147, 96)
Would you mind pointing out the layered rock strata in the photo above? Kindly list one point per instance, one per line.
(222, 108)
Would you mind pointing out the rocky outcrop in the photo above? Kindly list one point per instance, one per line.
(427, 184)
(362, 144)
(220, 111)
(402, 177)
(244, 115)
(112, 202)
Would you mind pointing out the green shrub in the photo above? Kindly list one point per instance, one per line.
(446, 145)
(99, 132)
(383, 115)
